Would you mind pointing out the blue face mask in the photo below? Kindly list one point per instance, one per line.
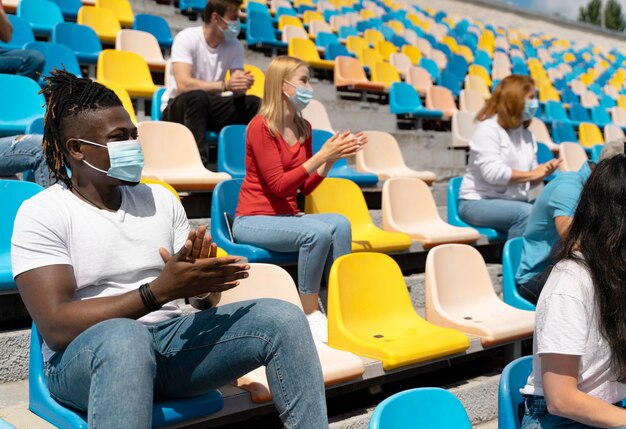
(126, 159)
(530, 108)
(302, 97)
(233, 29)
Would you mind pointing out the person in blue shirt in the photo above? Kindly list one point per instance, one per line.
(549, 221)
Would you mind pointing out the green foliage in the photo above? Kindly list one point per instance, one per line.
(591, 12)
(613, 17)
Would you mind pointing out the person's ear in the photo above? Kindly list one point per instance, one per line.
(214, 17)
(74, 149)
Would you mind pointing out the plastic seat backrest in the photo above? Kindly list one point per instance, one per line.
(618, 114)
(471, 101)
(401, 62)
(317, 116)
(35, 126)
(385, 73)
(20, 103)
(125, 68)
(57, 56)
(260, 29)
(348, 69)
(464, 124)
(103, 21)
(370, 57)
(555, 111)
(419, 78)
(563, 132)
(600, 116)
(293, 32)
(590, 135)
(413, 53)
(22, 33)
(155, 25)
(155, 111)
(341, 196)
(431, 67)
(511, 258)
(318, 27)
(325, 39)
(613, 132)
(40, 14)
(441, 98)
(121, 8)
(513, 378)
(356, 44)
(579, 113)
(403, 210)
(231, 151)
(69, 8)
(125, 99)
(303, 49)
(289, 20)
(381, 152)
(425, 407)
(80, 38)
(168, 145)
(140, 42)
(572, 156)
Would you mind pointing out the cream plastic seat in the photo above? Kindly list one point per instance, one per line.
(589, 99)
(171, 155)
(613, 132)
(463, 126)
(477, 83)
(463, 297)
(142, 43)
(424, 46)
(401, 62)
(618, 116)
(471, 101)
(408, 206)
(420, 79)
(316, 27)
(317, 116)
(272, 281)
(291, 32)
(382, 156)
(439, 58)
(572, 156)
(441, 98)
(540, 131)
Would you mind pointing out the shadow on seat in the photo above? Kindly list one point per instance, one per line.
(513, 378)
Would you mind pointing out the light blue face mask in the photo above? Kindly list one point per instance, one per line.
(302, 97)
(233, 29)
(530, 108)
(126, 159)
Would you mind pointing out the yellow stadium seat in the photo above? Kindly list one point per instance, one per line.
(367, 14)
(122, 94)
(289, 20)
(345, 197)
(386, 49)
(589, 135)
(298, 3)
(478, 70)
(128, 69)
(103, 22)
(305, 50)
(272, 281)
(162, 183)
(259, 80)
(396, 26)
(621, 101)
(466, 53)
(449, 21)
(413, 53)
(450, 42)
(311, 15)
(369, 57)
(478, 84)
(122, 10)
(355, 45)
(382, 324)
(385, 73)
(463, 298)
(373, 36)
(568, 57)
(548, 93)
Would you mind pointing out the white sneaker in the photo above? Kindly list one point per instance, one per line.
(319, 325)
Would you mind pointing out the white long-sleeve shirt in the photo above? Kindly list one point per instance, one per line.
(494, 153)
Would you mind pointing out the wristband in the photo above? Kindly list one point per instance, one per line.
(148, 298)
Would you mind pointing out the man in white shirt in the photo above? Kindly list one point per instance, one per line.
(198, 94)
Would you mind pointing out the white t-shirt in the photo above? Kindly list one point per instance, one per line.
(110, 253)
(566, 323)
(208, 64)
(494, 153)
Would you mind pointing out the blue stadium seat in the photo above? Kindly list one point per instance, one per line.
(20, 103)
(563, 132)
(285, 11)
(187, 6)
(450, 80)
(554, 111)
(325, 39)
(155, 25)
(261, 33)
(544, 154)
(335, 50)
(568, 96)
(600, 116)
(231, 151)
(22, 33)
(340, 168)
(578, 114)
(511, 258)
(82, 39)
(513, 378)
(155, 109)
(164, 413)
(40, 14)
(606, 101)
(458, 65)
(35, 126)
(347, 31)
(482, 58)
(398, 41)
(254, 7)
(596, 150)
(424, 408)
(404, 100)
(57, 56)
(224, 200)
(454, 186)
(69, 8)
(12, 194)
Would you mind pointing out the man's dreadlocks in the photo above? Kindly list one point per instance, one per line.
(68, 96)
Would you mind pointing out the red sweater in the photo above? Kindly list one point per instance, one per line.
(274, 173)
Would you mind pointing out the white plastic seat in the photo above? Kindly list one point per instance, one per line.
(463, 126)
(572, 156)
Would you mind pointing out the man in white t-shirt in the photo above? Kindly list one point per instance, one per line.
(198, 94)
(100, 262)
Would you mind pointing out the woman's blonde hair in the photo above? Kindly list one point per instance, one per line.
(281, 69)
(507, 101)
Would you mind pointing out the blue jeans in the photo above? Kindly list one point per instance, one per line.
(25, 154)
(319, 239)
(503, 215)
(113, 370)
(21, 62)
(536, 416)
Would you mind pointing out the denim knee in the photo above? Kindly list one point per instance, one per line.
(126, 347)
(319, 233)
(284, 319)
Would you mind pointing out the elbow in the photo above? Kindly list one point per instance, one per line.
(560, 405)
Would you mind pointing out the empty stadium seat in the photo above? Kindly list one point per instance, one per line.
(382, 326)
(171, 155)
(317, 28)
(385, 74)
(420, 79)
(317, 116)
(224, 202)
(563, 132)
(57, 56)
(122, 94)
(82, 39)
(231, 151)
(121, 9)
(385, 49)
(292, 32)
(618, 115)
(589, 135)
(20, 103)
(578, 113)
(164, 413)
(40, 14)
(450, 80)
(289, 20)
(271, 281)
(382, 156)
(305, 50)
(424, 407)
(127, 69)
(22, 33)
(555, 111)
(511, 258)
(600, 116)
(404, 100)
(345, 197)
(408, 206)
(401, 63)
(464, 298)
(440, 98)
(260, 34)
(35, 126)
(155, 25)
(454, 186)
(463, 126)
(69, 8)
(103, 21)
(572, 156)
(588, 99)
(514, 377)
(613, 132)
(350, 76)
(12, 194)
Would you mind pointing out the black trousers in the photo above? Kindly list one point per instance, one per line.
(202, 112)
(532, 289)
